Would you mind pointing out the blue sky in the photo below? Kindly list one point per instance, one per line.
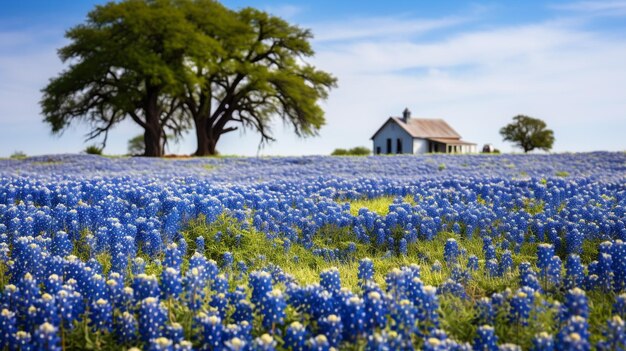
(475, 64)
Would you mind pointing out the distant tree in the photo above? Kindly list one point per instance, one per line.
(93, 150)
(254, 70)
(136, 145)
(339, 152)
(18, 155)
(128, 60)
(528, 133)
(356, 151)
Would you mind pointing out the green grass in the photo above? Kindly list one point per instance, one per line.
(379, 205)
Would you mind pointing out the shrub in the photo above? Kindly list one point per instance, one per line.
(18, 155)
(355, 151)
(93, 150)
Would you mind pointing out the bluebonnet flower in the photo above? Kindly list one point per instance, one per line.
(492, 268)
(574, 272)
(212, 330)
(138, 266)
(486, 339)
(296, 336)
(453, 288)
(545, 252)
(576, 304)
(152, 318)
(436, 267)
(23, 341)
(46, 338)
(194, 288)
(451, 251)
(273, 308)
(614, 335)
(330, 280)
(618, 253)
(486, 313)
(543, 342)
(101, 316)
(161, 344)
(427, 307)
(220, 284)
(619, 307)
(318, 343)
(353, 317)
(375, 310)
(366, 270)
(227, 260)
(264, 343)
(219, 303)
(553, 272)
(200, 244)
(8, 327)
(472, 263)
(520, 307)
(236, 344)
(126, 327)
(171, 283)
(174, 332)
(605, 272)
(261, 284)
(574, 335)
(145, 286)
(506, 262)
(332, 328)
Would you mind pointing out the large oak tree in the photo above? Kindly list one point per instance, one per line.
(128, 60)
(167, 64)
(260, 73)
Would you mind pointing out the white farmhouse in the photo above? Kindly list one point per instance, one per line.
(406, 135)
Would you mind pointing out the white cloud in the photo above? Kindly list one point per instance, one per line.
(287, 11)
(382, 28)
(602, 8)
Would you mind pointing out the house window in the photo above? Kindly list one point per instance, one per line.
(388, 145)
(377, 150)
(399, 146)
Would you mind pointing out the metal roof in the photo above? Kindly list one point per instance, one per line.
(424, 128)
(449, 141)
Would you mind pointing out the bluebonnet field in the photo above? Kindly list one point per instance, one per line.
(379, 253)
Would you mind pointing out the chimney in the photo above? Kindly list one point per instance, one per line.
(406, 115)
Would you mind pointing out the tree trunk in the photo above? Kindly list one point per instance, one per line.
(153, 130)
(206, 139)
(153, 143)
(201, 137)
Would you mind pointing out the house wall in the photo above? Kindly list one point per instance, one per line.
(420, 146)
(392, 131)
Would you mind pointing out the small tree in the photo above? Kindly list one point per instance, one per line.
(528, 133)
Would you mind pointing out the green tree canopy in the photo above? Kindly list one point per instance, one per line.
(168, 64)
(259, 73)
(528, 133)
(126, 61)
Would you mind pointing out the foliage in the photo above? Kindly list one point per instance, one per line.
(257, 70)
(128, 60)
(166, 64)
(18, 155)
(93, 150)
(528, 133)
(355, 151)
